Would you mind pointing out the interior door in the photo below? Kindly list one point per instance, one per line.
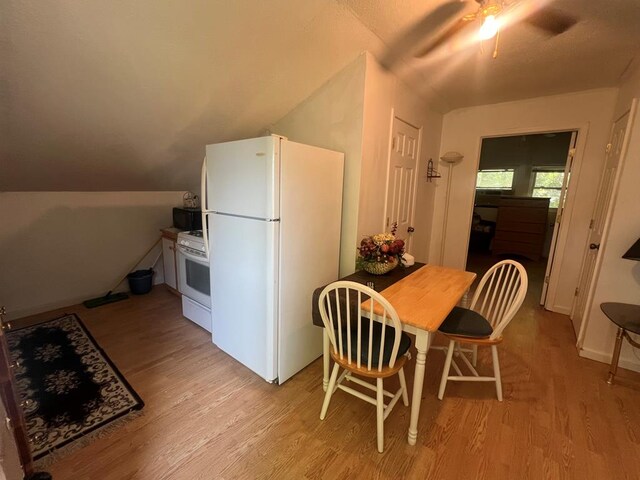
(559, 217)
(403, 163)
(599, 222)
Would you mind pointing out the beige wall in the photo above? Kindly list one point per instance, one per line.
(352, 113)
(619, 279)
(60, 248)
(386, 96)
(332, 118)
(589, 112)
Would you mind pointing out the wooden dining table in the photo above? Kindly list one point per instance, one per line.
(422, 299)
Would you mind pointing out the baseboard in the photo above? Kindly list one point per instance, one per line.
(34, 310)
(67, 302)
(606, 358)
(559, 309)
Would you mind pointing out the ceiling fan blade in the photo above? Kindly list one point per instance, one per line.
(551, 20)
(446, 36)
(434, 21)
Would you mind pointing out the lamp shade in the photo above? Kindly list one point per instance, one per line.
(634, 252)
(452, 157)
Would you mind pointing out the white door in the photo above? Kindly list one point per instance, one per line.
(599, 221)
(401, 186)
(244, 282)
(242, 177)
(559, 217)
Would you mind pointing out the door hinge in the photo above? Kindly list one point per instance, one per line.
(608, 148)
(546, 279)
(558, 218)
(387, 221)
(572, 152)
(591, 223)
(576, 292)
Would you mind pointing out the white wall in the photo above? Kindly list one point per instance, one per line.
(589, 112)
(60, 248)
(332, 118)
(619, 279)
(386, 96)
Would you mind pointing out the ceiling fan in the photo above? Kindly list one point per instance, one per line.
(481, 20)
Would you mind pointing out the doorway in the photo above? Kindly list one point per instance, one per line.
(521, 187)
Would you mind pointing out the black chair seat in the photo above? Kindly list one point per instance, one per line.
(466, 323)
(389, 338)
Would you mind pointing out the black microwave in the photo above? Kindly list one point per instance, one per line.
(187, 218)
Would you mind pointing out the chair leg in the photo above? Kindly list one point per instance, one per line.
(329, 392)
(380, 414)
(474, 356)
(496, 371)
(403, 385)
(447, 367)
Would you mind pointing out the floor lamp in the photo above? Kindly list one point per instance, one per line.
(450, 158)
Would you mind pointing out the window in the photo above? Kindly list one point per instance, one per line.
(498, 179)
(548, 184)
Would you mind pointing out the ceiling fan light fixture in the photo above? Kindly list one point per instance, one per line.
(489, 28)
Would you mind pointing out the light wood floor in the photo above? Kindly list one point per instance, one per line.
(207, 417)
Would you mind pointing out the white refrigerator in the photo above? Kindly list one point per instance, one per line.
(273, 209)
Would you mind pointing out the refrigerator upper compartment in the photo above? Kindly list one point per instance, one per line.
(242, 177)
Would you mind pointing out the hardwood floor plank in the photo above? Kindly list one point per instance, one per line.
(208, 417)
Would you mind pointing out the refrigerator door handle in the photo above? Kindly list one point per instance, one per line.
(204, 207)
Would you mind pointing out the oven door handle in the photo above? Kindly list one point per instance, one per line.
(191, 256)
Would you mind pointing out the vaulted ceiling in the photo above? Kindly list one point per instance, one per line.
(124, 95)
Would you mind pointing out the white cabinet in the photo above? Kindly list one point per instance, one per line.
(169, 260)
(169, 254)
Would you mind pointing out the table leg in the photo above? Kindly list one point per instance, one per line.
(422, 345)
(616, 356)
(326, 357)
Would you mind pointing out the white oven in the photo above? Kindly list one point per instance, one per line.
(193, 275)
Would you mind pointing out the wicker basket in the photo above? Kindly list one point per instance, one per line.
(379, 268)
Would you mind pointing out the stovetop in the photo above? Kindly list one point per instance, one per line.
(191, 239)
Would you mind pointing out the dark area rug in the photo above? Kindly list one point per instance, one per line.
(68, 385)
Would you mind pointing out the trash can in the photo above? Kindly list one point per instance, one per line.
(140, 281)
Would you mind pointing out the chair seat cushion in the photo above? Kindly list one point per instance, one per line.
(389, 338)
(466, 323)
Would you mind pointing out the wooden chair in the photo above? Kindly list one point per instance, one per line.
(495, 302)
(364, 346)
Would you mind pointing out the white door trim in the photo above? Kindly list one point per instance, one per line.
(583, 132)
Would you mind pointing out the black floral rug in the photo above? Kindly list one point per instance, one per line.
(66, 382)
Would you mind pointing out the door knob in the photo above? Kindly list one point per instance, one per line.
(411, 229)
(594, 246)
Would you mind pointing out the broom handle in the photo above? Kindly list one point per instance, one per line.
(134, 265)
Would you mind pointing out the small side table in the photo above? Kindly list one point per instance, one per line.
(627, 317)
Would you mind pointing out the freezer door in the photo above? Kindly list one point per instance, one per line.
(242, 177)
(243, 285)
(311, 206)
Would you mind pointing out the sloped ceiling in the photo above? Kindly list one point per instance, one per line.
(123, 95)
